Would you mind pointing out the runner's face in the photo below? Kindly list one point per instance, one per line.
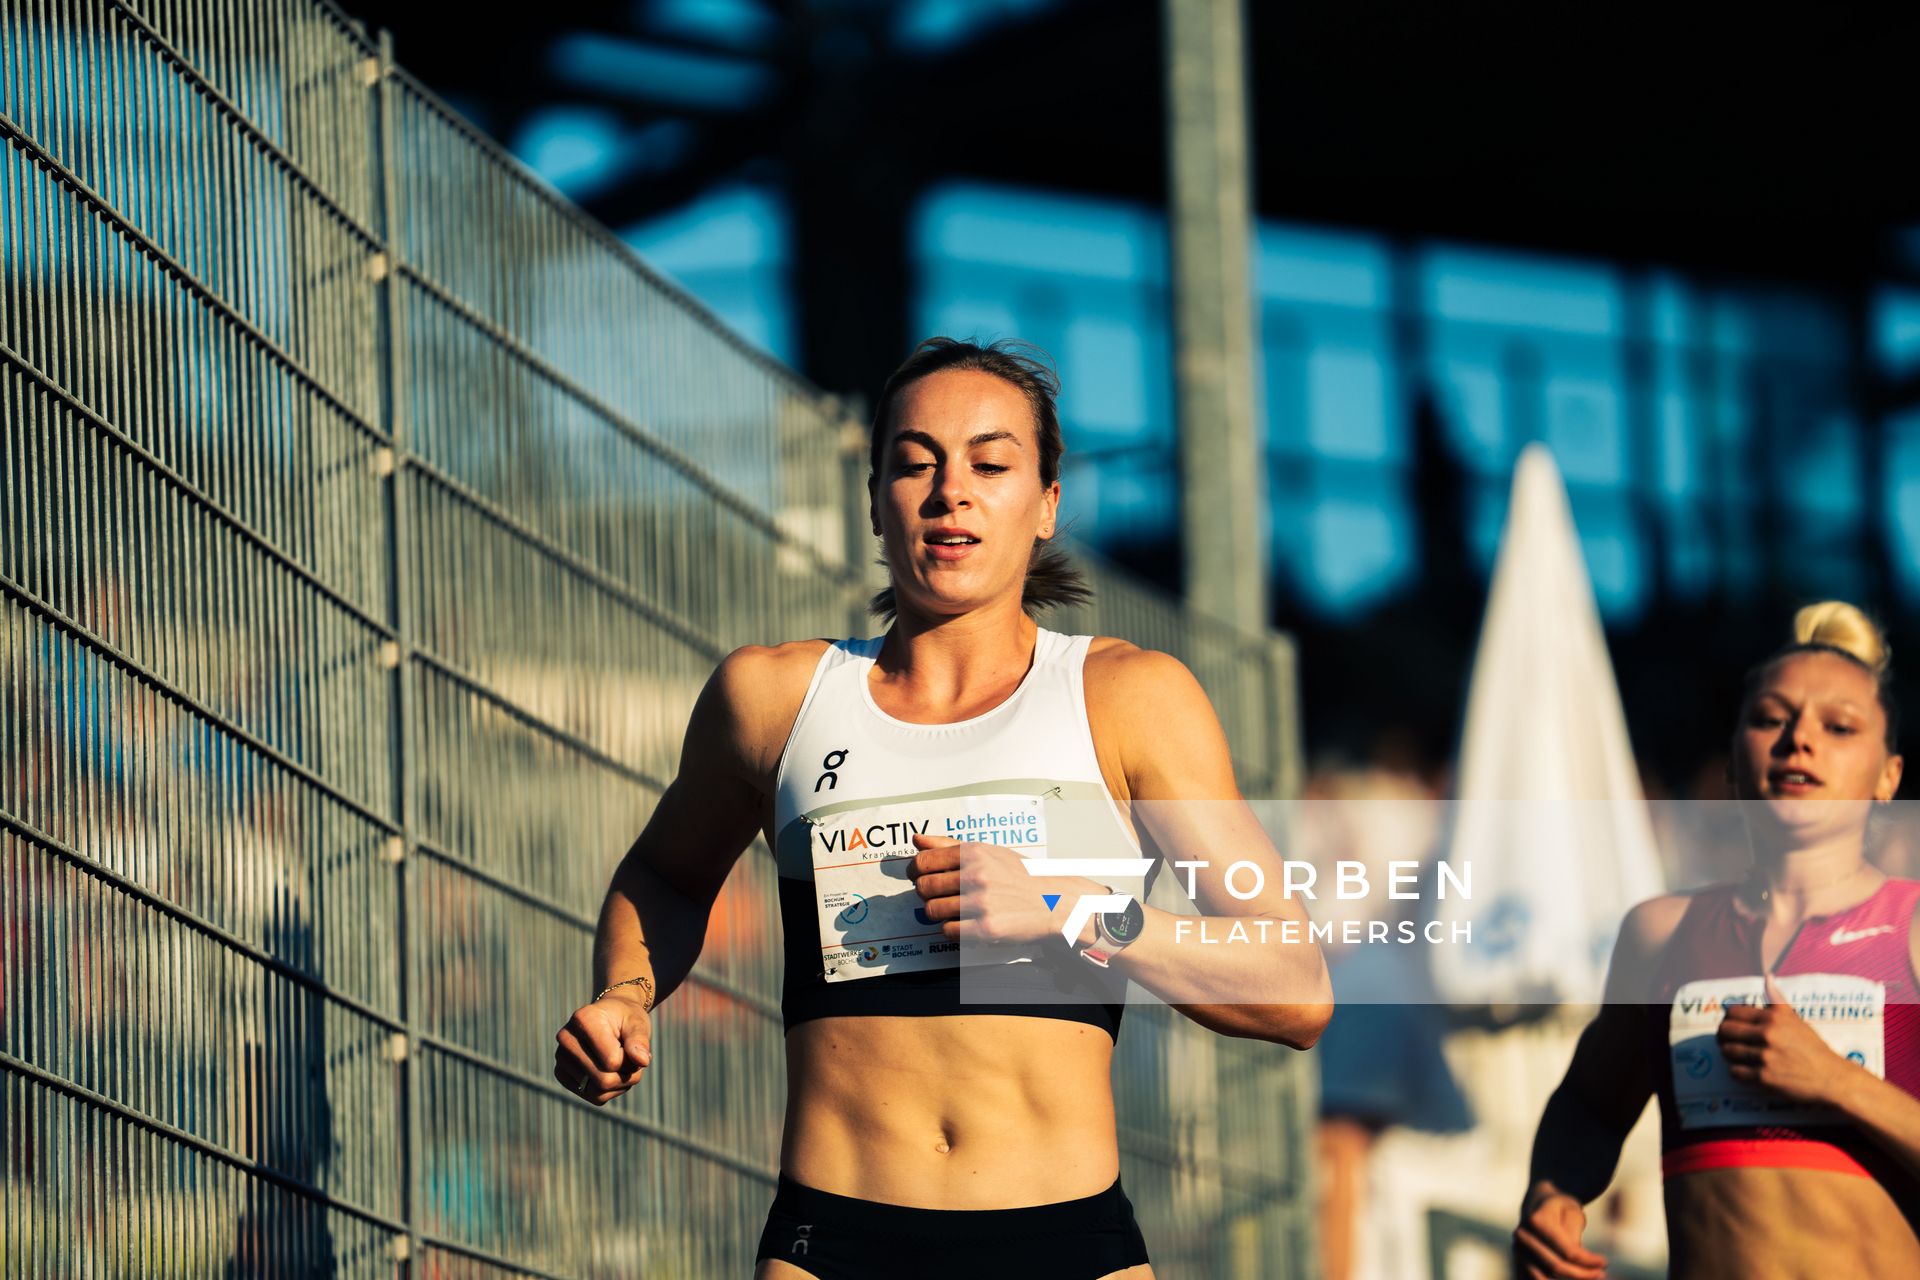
(962, 457)
(1814, 734)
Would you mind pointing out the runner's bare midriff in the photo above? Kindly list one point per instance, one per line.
(961, 1112)
(1785, 1224)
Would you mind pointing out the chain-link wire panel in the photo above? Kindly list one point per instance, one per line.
(201, 987)
(369, 520)
(604, 492)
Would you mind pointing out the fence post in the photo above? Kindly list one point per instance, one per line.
(1284, 739)
(400, 615)
(1209, 230)
(1301, 1088)
(867, 577)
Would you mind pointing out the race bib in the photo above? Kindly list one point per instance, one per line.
(1848, 1012)
(872, 920)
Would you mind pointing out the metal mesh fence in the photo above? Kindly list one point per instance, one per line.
(369, 519)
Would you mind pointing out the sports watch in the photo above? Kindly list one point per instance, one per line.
(1113, 932)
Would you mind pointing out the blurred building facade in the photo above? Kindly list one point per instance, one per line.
(1478, 230)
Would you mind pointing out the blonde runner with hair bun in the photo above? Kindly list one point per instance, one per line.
(1790, 1143)
(1846, 631)
(1839, 625)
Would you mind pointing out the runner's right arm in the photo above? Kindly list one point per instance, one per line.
(1589, 1116)
(654, 918)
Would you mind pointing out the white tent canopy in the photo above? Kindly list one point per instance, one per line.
(1550, 813)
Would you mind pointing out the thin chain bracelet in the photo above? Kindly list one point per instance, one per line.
(646, 985)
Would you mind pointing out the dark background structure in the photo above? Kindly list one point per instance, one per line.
(1747, 148)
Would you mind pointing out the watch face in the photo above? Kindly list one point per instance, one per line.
(1124, 926)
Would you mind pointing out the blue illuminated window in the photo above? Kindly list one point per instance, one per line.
(729, 250)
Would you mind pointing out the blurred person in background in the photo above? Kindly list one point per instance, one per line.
(1380, 1059)
(1782, 1155)
(925, 1135)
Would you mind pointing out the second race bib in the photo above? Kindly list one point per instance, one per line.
(1848, 1012)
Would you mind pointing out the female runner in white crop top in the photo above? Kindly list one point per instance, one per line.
(988, 1140)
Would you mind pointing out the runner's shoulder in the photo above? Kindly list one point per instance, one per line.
(764, 666)
(1130, 688)
(1153, 725)
(1121, 667)
(1645, 932)
(1650, 925)
(758, 690)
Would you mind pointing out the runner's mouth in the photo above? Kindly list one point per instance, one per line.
(950, 543)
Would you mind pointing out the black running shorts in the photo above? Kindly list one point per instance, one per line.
(835, 1237)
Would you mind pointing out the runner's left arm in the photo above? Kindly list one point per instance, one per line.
(1246, 967)
(1888, 1113)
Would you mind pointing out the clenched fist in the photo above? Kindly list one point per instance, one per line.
(604, 1047)
(1546, 1244)
(1772, 1046)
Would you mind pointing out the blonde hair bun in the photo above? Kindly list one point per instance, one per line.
(1839, 625)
